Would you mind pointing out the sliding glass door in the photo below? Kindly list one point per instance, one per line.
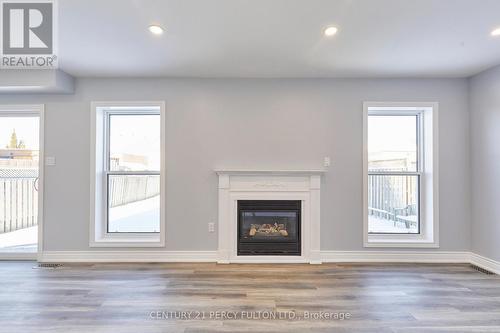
(19, 181)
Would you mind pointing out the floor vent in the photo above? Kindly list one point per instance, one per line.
(48, 265)
(482, 270)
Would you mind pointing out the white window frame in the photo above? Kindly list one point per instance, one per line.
(99, 237)
(428, 172)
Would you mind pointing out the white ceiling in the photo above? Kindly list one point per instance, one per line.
(278, 38)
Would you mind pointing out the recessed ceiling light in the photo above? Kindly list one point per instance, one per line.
(155, 29)
(496, 32)
(330, 31)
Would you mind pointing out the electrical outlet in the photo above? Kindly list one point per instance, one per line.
(326, 161)
(211, 227)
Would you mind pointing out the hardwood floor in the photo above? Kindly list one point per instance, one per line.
(141, 298)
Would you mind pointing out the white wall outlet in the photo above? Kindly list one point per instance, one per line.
(50, 160)
(211, 227)
(326, 161)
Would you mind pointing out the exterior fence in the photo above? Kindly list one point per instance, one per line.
(19, 195)
(391, 195)
(18, 201)
(387, 195)
(131, 188)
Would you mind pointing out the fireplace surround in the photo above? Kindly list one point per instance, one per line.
(264, 189)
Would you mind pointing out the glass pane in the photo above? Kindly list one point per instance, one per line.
(133, 203)
(134, 142)
(392, 143)
(270, 226)
(393, 204)
(19, 155)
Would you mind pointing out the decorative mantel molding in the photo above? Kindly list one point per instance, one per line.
(249, 172)
(245, 184)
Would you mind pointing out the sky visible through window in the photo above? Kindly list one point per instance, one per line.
(26, 130)
(137, 135)
(392, 142)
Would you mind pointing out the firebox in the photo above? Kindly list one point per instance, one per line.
(269, 227)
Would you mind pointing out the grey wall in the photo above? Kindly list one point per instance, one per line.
(485, 153)
(251, 123)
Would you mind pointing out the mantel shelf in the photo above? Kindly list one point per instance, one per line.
(268, 172)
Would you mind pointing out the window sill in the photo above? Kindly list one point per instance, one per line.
(402, 243)
(127, 241)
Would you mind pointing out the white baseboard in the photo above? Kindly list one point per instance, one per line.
(266, 260)
(396, 256)
(211, 256)
(485, 263)
(18, 256)
(128, 256)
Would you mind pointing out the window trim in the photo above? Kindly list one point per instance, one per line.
(429, 172)
(99, 236)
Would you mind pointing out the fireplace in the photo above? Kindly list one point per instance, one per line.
(269, 227)
(268, 192)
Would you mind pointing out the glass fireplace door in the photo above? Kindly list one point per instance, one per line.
(270, 227)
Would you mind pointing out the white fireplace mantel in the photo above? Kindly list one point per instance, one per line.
(244, 184)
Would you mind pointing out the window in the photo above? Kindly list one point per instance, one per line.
(133, 171)
(393, 173)
(400, 170)
(21, 180)
(128, 162)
